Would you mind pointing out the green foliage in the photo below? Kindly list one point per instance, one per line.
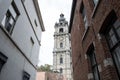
(46, 68)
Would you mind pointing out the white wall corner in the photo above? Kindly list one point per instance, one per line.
(90, 75)
(107, 62)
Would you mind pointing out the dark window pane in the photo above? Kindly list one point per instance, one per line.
(61, 30)
(61, 45)
(94, 65)
(92, 58)
(116, 56)
(26, 76)
(95, 73)
(1, 64)
(35, 23)
(117, 27)
(61, 60)
(61, 70)
(111, 37)
(118, 31)
(83, 12)
(8, 27)
(3, 59)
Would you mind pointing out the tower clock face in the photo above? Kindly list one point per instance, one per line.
(61, 38)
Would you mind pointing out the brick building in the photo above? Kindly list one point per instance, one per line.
(49, 76)
(95, 36)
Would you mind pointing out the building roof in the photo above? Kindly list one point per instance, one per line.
(72, 14)
(39, 14)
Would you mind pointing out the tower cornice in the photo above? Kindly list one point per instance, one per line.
(60, 34)
(61, 51)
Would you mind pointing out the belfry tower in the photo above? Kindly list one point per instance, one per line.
(62, 51)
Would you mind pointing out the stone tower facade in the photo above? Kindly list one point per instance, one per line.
(62, 52)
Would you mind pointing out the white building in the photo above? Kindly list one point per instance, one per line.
(21, 27)
(62, 51)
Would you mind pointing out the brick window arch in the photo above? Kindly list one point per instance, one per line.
(93, 66)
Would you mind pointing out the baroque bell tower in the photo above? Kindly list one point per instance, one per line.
(62, 51)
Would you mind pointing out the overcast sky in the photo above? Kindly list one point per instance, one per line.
(51, 10)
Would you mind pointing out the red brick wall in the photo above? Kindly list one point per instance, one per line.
(80, 45)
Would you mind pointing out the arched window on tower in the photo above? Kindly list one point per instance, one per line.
(61, 70)
(61, 30)
(61, 45)
(61, 60)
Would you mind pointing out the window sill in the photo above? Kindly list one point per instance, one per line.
(6, 32)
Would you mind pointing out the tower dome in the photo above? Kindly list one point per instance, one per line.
(61, 19)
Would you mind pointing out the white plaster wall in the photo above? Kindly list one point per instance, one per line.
(16, 63)
(22, 32)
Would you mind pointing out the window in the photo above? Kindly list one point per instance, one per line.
(61, 30)
(35, 23)
(83, 12)
(61, 70)
(113, 39)
(3, 59)
(10, 17)
(95, 2)
(23, 0)
(26, 76)
(61, 60)
(32, 41)
(61, 23)
(94, 65)
(61, 45)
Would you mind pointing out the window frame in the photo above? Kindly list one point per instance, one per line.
(115, 46)
(3, 60)
(9, 15)
(61, 60)
(61, 45)
(26, 75)
(35, 23)
(93, 63)
(32, 41)
(61, 70)
(61, 30)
